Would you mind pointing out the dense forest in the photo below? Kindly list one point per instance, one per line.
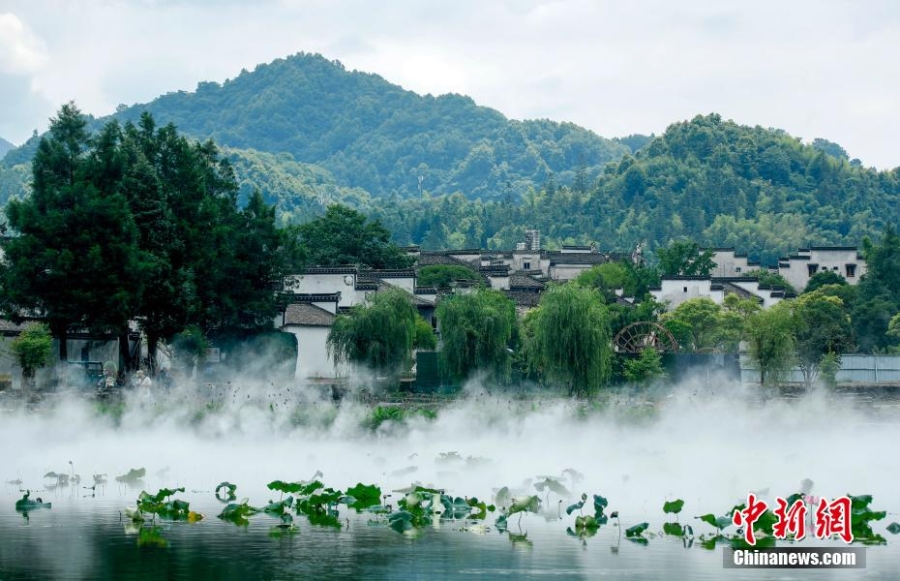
(443, 172)
(707, 179)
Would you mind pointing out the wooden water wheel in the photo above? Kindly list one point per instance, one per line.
(638, 336)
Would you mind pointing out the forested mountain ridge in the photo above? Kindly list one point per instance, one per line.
(707, 179)
(375, 135)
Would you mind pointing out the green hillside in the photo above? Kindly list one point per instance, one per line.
(377, 136)
(711, 180)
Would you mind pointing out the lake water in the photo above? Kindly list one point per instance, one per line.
(85, 538)
(710, 451)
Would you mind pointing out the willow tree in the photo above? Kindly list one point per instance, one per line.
(569, 339)
(477, 330)
(379, 335)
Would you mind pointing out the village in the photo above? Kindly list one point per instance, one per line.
(311, 300)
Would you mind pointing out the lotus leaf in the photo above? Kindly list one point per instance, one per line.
(25, 503)
(524, 504)
(238, 513)
(225, 491)
(600, 504)
(673, 507)
(364, 496)
(133, 476)
(673, 529)
(636, 530)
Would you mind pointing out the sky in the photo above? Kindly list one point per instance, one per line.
(815, 68)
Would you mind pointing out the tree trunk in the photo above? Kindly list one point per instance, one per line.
(62, 333)
(152, 344)
(125, 362)
(60, 330)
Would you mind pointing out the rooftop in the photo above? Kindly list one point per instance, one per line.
(307, 315)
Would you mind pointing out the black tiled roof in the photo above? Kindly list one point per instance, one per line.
(524, 298)
(519, 281)
(400, 273)
(307, 315)
(330, 270)
(578, 258)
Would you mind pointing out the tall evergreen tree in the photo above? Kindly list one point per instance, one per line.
(75, 260)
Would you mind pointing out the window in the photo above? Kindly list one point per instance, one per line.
(526, 266)
(685, 289)
(737, 268)
(813, 268)
(851, 270)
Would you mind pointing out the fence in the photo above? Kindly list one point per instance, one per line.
(855, 369)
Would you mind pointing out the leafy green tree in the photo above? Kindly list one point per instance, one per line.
(569, 339)
(879, 292)
(686, 258)
(828, 369)
(822, 326)
(75, 259)
(703, 316)
(770, 338)
(32, 349)
(477, 331)
(441, 276)
(772, 279)
(732, 321)
(379, 335)
(425, 337)
(633, 280)
(190, 345)
(830, 148)
(606, 278)
(212, 264)
(344, 236)
(682, 333)
(822, 278)
(644, 368)
(139, 224)
(621, 315)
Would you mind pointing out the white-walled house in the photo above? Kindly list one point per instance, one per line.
(309, 318)
(312, 299)
(798, 268)
(675, 290)
(730, 263)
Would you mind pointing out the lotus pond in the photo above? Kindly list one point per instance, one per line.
(483, 487)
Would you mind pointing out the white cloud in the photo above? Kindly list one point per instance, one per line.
(20, 50)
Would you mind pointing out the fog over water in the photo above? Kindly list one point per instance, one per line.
(709, 447)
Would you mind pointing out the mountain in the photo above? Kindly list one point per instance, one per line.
(307, 132)
(719, 183)
(371, 134)
(5, 146)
